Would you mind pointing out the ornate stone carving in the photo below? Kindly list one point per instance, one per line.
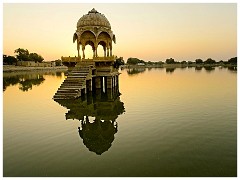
(94, 29)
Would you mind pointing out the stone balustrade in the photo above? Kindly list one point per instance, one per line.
(78, 59)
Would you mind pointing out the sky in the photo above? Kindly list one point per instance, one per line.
(148, 31)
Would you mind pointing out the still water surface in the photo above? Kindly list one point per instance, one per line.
(166, 122)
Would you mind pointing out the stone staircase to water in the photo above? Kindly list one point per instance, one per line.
(74, 83)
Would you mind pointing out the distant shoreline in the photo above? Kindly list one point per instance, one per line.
(12, 68)
(178, 65)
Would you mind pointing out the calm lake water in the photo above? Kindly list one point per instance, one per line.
(166, 122)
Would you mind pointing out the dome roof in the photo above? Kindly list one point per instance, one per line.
(93, 18)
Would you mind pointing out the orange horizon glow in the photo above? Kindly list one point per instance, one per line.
(152, 32)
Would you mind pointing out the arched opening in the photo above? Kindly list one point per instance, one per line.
(101, 49)
(87, 41)
(104, 36)
(88, 35)
(88, 52)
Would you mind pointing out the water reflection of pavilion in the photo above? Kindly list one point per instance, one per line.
(103, 108)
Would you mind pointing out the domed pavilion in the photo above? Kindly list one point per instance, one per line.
(94, 29)
(96, 73)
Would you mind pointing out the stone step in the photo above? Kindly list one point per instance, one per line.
(83, 67)
(76, 77)
(73, 83)
(73, 87)
(77, 73)
(74, 80)
(68, 90)
(67, 93)
(80, 69)
(64, 97)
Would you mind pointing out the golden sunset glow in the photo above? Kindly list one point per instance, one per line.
(152, 32)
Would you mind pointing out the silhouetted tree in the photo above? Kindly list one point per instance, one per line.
(135, 61)
(58, 62)
(118, 62)
(170, 61)
(150, 63)
(199, 61)
(233, 60)
(209, 61)
(9, 60)
(159, 62)
(22, 54)
(35, 57)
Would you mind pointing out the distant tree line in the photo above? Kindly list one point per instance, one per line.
(135, 61)
(200, 61)
(22, 55)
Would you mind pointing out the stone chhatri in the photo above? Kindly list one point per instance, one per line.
(94, 29)
(98, 74)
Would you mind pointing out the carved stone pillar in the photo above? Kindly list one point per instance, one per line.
(96, 46)
(107, 52)
(83, 49)
(104, 48)
(94, 52)
(111, 52)
(78, 47)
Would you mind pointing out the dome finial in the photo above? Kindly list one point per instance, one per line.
(93, 11)
(93, 18)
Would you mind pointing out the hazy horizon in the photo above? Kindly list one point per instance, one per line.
(151, 32)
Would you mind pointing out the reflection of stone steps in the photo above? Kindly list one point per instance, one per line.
(72, 85)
